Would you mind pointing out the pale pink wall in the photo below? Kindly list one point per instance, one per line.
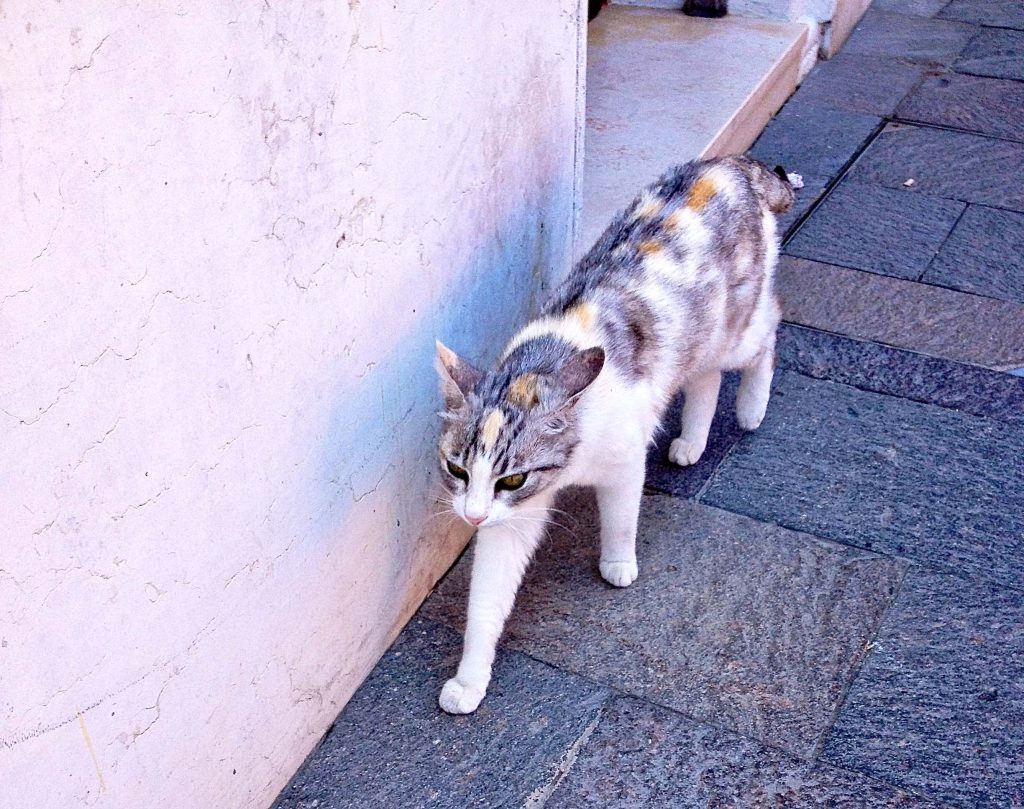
(230, 234)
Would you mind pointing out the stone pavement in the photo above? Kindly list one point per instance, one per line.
(830, 610)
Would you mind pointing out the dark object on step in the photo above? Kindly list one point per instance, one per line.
(594, 8)
(706, 8)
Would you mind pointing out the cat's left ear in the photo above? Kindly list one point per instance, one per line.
(579, 372)
(457, 376)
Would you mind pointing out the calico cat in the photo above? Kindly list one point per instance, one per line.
(678, 289)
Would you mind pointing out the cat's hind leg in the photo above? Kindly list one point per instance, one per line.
(756, 386)
(500, 558)
(698, 411)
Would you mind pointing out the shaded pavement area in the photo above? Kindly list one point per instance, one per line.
(830, 610)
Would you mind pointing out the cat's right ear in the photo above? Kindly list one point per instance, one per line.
(457, 376)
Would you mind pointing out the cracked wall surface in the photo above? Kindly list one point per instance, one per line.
(231, 234)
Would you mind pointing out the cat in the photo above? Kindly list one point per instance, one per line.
(676, 290)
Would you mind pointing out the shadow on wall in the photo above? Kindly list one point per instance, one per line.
(385, 430)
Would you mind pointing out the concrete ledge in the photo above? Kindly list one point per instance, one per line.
(741, 130)
(664, 88)
(836, 18)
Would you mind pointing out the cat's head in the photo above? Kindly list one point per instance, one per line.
(509, 433)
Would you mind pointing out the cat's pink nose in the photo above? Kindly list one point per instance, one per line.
(474, 519)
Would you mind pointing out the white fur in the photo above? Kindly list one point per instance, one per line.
(478, 499)
(503, 551)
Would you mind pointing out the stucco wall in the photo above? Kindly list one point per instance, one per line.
(231, 232)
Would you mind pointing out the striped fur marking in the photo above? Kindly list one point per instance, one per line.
(648, 206)
(523, 392)
(491, 428)
(578, 325)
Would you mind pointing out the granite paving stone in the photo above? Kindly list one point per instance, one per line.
(744, 625)
(859, 83)
(907, 36)
(924, 8)
(881, 230)
(942, 488)
(1001, 13)
(956, 165)
(664, 476)
(939, 705)
(984, 255)
(919, 317)
(909, 375)
(815, 142)
(994, 52)
(642, 756)
(987, 106)
(392, 745)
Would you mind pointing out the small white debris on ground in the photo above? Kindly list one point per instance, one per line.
(910, 182)
(795, 180)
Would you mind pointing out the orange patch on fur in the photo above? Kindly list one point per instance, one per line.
(584, 314)
(701, 193)
(649, 248)
(523, 391)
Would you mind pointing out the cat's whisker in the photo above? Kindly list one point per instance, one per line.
(448, 514)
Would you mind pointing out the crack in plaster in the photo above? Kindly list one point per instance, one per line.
(149, 501)
(94, 444)
(79, 68)
(49, 239)
(170, 663)
(108, 350)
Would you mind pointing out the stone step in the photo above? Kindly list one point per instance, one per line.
(834, 19)
(732, 74)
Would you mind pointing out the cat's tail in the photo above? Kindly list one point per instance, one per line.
(774, 187)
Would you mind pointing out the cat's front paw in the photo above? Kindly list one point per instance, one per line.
(684, 452)
(457, 698)
(619, 574)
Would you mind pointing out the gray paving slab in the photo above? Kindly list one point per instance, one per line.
(923, 8)
(1002, 13)
(664, 476)
(815, 142)
(956, 165)
(859, 83)
(994, 52)
(392, 745)
(642, 756)
(986, 106)
(908, 36)
(744, 625)
(919, 317)
(945, 489)
(881, 230)
(906, 374)
(939, 705)
(984, 255)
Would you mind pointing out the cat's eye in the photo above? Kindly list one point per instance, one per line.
(457, 471)
(510, 483)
